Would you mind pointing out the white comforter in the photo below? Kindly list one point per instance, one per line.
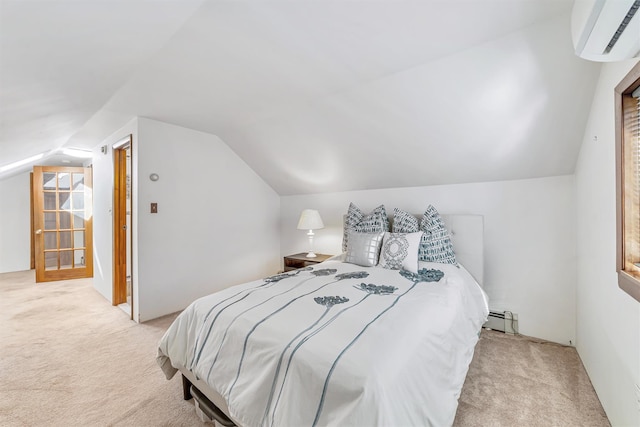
(321, 347)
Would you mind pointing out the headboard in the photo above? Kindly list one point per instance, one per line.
(467, 237)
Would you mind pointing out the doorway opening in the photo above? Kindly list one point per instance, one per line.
(122, 225)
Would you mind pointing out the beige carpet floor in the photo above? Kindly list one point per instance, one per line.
(68, 358)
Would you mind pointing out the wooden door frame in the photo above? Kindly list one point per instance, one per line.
(32, 264)
(119, 220)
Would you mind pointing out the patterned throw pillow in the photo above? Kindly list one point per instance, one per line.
(356, 220)
(400, 251)
(404, 222)
(364, 248)
(436, 242)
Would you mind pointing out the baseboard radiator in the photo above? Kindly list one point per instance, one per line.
(503, 321)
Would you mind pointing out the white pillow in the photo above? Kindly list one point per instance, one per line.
(363, 248)
(400, 251)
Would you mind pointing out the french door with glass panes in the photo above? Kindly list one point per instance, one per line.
(62, 223)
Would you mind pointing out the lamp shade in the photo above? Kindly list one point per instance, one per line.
(310, 220)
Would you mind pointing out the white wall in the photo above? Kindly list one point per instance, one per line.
(608, 319)
(530, 260)
(217, 222)
(15, 208)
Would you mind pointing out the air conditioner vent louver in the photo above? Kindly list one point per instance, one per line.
(623, 25)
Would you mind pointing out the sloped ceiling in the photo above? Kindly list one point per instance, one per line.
(315, 96)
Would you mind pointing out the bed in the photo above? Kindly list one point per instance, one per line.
(336, 343)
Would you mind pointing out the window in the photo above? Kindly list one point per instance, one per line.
(627, 102)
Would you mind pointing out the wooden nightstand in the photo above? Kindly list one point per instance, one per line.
(293, 262)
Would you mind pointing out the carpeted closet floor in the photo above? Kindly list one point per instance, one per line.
(68, 358)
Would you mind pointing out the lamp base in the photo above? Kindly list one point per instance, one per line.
(311, 255)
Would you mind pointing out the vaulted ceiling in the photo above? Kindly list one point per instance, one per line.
(315, 96)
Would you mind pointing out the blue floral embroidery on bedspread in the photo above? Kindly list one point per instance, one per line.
(281, 276)
(376, 289)
(318, 325)
(276, 278)
(424, 275)
(268, 282)
(323, 272)
(330, 301)
(352, 275)
(369, 289)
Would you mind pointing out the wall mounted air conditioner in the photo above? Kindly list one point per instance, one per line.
(606, 30)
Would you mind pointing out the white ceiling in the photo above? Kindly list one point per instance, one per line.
(315, 96)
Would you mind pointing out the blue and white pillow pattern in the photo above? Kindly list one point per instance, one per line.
(404, 222)
(364, 248)
(436, 243)
(356, 220)
(400, 251)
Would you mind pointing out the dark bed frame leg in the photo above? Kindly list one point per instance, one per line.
(186, 388)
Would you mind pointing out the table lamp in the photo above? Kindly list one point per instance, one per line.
(310, 220)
